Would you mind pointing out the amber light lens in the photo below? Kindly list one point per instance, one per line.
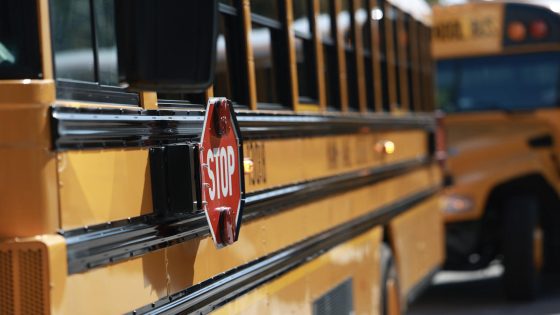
(538, 29)
(516, 31)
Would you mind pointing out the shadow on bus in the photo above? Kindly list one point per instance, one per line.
(480, 292)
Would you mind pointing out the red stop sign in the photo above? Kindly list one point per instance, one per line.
(221, 161)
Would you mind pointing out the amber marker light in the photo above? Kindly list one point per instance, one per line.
(248, 165)
(516, 31)
(538, 29)
(386, 147)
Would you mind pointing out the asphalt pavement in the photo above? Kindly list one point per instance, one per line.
(481, 293)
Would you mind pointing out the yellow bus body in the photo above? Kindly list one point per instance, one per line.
(79, 233)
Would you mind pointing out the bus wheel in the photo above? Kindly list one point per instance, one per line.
(520, 247)
(390, 292)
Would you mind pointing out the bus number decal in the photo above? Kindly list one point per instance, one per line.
(256, 152)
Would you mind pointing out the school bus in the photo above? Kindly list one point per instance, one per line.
(497, 82)
(129, 184)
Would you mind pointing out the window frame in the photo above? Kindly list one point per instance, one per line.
(308, 40)
(90, 91)
(280, 58)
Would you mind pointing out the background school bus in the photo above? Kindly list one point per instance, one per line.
(497, 81)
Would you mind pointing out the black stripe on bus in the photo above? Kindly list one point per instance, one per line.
(82, 128)
(215, 292)
(97, 246)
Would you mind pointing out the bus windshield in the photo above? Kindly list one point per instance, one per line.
(504, 82)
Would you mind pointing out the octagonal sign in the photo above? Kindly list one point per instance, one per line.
(221, 162)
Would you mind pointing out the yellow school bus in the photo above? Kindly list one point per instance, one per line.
(110, 123)
(498, 82)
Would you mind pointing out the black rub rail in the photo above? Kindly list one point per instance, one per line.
(215, 292)
(100, 245)
(83, 128)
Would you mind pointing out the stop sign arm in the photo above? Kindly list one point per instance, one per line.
(222, 182)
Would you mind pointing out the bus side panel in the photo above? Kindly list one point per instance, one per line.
(331, 155)
(102, 186)
(417, 237)
(142, 280)
(28, 202)
(295, 292)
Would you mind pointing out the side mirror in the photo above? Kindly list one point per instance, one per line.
(166, 45)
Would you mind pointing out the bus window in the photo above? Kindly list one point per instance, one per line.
(382, 20)
(73, 54)
(104, 11)
(409, 42)
(331, 70)
(85, 59)
(346, 21)
(416, 102)
(230, 77)
(19, 40)
(364, 18)
(222, 80)
(270, 55)
(305, 52)
(394, 15)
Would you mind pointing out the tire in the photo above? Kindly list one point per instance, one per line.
(390, 292)
(520, 220)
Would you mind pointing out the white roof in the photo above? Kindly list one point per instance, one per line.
(419, 9)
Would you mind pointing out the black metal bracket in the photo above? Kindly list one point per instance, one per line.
(175, 177)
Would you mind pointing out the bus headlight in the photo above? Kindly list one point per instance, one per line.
(456, 204)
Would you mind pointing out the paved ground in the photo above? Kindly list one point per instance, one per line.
(481, 293)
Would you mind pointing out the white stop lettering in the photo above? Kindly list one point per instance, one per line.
(221, 167)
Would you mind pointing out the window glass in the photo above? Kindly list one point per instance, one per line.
(325, 21)
(499, 82)
(305, 52)
(301, 16)
(222, 80)
(330, 54)
(265, 69)
(345, 20)
(364, 22)
(392, 15)
(378, 14)
(331, 77)
(363, 17)
(307, 80)
(265, 8)
(72, 39)
(19, 40)
(106, 41)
